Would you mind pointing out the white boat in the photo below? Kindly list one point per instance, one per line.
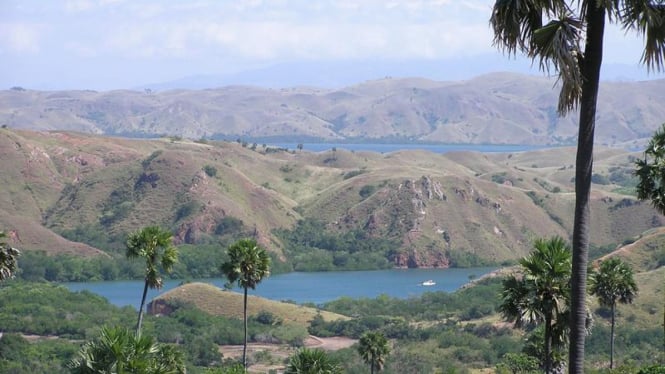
(429, 283)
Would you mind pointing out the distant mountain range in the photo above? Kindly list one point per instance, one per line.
(339, 74)
(498, 108)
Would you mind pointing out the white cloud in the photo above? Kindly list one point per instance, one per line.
(278, 30)
(214, 34)
(20, 38)
(76, 6)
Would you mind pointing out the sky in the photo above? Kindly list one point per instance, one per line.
(113, 44)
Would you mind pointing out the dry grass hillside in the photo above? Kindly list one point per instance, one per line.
(216, 301)
(499, 108)
(435, 206)
(646, 256)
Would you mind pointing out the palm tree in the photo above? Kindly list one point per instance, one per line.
(541, 295)
(613, 282)
(117, 350)
(553, 32)
(155, 245)
(373, 348)
(8, 258)
(651, 175)
(247, 265)
(312, 361)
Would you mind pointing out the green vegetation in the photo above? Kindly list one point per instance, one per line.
(353, 173)
(187, 209)
(373, 348)
(540, 296)
(312, 361)
(568, 38)
(20, 356)
(210, 170)
(367, 191)
(437, 331)
(146, 162)
(45, 309)
(518, 363)
(247, 265)
(311, 247)
(597, 178)
(117, 350)
(8, 258)
(650, 171)
(155, 246)
(499, 178)
(229, 225)
(613, 283)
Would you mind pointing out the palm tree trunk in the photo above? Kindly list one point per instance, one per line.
(548, 344)
(371, 366)
(590, 66)
(612, 338)
(244, 314)
(140, 321)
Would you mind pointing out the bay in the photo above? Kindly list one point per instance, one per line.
(317, 288)
(435, 148)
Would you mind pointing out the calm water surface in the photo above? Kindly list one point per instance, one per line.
(436, 148)
(316, 288)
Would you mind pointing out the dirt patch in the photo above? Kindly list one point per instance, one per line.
(329, 344)
(279, 353)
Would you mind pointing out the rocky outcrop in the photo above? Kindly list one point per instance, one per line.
(421, 259)
(192, 230)
(432, 189)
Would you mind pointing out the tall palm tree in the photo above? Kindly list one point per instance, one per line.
(541, 295)
(312, 361)
(613, 282)
(8, 258)
(247, 265)
(553, 32)
(117, 350)
(373, 348)
(156, 246)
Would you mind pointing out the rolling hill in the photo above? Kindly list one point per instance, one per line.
(498, 108)
(437, 210)
(215, 301)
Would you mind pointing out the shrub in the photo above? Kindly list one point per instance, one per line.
(210, 170)
(366, 191)
(599, 179)
(187, 210)
(353, 173)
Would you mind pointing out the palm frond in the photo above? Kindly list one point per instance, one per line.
(556, 45)
(513, 22)
(648, 19)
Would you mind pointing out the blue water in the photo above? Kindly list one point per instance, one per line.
(387, 148)
(316, 288)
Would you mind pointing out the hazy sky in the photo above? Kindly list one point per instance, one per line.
(105, 44)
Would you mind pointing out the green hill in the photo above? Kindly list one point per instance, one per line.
(419, 209)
